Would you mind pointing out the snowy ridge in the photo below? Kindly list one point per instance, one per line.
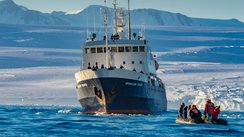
(148, 17)
(73, 12)
(10, 13)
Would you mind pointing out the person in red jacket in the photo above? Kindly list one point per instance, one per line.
(209, 109)
(216, 113)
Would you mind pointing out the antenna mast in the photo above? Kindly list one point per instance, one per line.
(129, 25)
(106, 31)
(115, 16)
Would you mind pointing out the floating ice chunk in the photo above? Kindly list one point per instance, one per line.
(65, 111)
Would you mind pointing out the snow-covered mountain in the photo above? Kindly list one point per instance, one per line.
(164, 18)
(92, 15)
(10, 13)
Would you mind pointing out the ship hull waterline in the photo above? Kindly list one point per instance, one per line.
(120, 96)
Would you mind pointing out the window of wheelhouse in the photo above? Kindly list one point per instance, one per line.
(100, 50)
(93, 50)
(135, 49)
(87, 50)
(142, 48)
(128, 49)
(113, 49)
(121, 49)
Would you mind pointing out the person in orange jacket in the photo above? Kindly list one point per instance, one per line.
(209, 109)
(216, 113)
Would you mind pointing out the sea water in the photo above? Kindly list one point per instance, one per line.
(43, 121)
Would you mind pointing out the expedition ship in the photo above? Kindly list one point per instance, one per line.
(118, 74)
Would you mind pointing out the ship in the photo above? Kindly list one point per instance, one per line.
(118, 73)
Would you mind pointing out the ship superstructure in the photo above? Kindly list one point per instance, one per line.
(118, 73)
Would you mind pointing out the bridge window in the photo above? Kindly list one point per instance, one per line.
(128, 49)
(140, 62)
(133, 62)
(100, 50)
(121, 49)
(93, 50)
(87, 50)
(124, 62)
(142, 48)
(113, 49)
(135, 49)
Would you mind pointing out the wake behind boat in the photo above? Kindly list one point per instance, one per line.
(118, 75)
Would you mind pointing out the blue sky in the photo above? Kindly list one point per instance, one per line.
(222, 9)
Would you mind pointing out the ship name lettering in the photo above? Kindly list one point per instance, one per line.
(133, 84)
(130, 84)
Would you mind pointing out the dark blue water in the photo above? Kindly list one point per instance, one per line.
(68, 121)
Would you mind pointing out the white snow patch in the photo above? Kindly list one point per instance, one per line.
(73, 12)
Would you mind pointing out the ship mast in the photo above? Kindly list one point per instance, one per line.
(129, 23)
(106, 31)
(115, 16)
